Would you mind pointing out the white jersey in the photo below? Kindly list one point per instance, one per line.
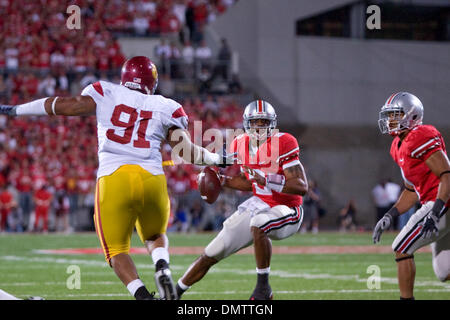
(131, 126)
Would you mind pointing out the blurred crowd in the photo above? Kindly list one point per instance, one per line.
(35, 35)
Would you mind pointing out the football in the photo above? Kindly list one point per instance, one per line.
(209, 185)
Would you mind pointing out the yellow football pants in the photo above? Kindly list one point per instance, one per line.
(129, 197)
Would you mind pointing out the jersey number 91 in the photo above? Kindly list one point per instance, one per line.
(145, 116)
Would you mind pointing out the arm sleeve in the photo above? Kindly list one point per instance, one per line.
(178, 118)
(425, 143)
(289, 151)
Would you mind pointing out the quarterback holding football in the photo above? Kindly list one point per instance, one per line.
(271, 169)
(419, 151)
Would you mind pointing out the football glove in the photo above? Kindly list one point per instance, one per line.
(430, 224)
(7, 109)
(384, 224)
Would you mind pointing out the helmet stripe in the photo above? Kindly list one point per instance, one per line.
(260, 106)
(392, 98)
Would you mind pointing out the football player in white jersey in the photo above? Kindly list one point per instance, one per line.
(132, 123)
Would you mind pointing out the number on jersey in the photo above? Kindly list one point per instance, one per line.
(145, 116)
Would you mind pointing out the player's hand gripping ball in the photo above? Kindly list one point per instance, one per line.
(209, 184)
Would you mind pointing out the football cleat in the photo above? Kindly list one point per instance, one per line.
(262, 294)
(179, 291)
(151, 297)
(164, 283)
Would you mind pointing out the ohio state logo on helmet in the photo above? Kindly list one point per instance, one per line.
(139, 73)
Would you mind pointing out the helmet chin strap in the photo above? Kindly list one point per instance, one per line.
(399, 131)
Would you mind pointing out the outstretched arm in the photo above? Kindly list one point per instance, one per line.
(183, 147)
(66, 106)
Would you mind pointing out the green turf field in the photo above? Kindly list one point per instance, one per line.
(25, 272)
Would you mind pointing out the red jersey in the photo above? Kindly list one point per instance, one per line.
(42, 198)
(6, 200)
(411, 154)
(277, 153)
(24, 183)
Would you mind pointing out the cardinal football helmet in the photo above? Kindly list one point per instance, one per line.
(139, 73)
(402, 108)
(259, 109)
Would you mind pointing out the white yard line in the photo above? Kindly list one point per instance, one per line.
(327, 276)
(274, 273)
(56, 283)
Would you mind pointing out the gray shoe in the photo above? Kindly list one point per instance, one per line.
(164, 283)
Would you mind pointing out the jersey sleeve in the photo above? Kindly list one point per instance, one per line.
(95, 91)
(176, 118)
(289, 151)
(424, 142)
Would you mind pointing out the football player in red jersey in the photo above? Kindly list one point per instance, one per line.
(419, 151)
(271, 169)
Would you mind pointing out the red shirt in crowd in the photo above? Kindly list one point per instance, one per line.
(43, 199)
(6, 201)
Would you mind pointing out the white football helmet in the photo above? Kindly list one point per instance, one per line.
(403, 108)
(259, 109)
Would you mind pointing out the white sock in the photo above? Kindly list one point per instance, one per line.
(160, 253)
(134, 285)
(182, 285)
(262, 271)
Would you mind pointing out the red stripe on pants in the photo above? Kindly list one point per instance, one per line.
(98, 225)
